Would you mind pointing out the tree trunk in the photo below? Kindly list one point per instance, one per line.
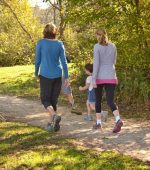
(59, 5)
(62, 19)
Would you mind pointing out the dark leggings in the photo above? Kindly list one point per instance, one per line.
(110, 90)
(49, 91)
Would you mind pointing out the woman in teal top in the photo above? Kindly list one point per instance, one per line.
(50, 62)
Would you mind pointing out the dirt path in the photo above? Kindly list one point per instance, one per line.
(134, 139)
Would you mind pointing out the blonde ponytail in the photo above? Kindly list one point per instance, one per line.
(102, 36)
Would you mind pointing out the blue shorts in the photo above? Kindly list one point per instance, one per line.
(91, 96)
(66, 90)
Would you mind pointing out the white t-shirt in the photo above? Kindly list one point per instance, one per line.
(89, 81)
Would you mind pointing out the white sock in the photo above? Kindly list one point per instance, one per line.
(98, 121)
(117, 118)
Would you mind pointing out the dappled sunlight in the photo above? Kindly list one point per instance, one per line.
(31, 147)
(134, 137)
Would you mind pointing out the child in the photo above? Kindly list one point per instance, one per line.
(68, 92)
(91, 93)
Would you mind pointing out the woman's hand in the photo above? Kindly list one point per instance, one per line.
(37, 78)
(94, 85)
(66, 83)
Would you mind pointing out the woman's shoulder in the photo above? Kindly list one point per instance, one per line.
(60, 42)
(112, 44)
(96, 45)
(39, 41)
(50, 40)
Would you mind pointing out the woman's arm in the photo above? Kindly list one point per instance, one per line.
(37, 59)
(64, 61)
(115, 56)
(96, 64)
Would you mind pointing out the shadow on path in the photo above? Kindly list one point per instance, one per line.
(134, 139)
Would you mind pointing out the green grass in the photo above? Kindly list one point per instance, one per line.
(26, 147)
(18, 80)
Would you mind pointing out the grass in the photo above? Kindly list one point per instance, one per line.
(26, 147)
(18, 80)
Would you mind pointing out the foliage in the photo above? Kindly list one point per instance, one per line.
(16, 46)
(128, 27)
(26, 147)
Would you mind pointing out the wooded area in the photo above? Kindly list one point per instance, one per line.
(127, 23)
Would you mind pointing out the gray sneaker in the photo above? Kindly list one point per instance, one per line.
(50, 127)
(97, 126)
(56, 121)
(88, 118)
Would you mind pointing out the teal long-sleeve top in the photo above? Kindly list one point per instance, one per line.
(50, 59)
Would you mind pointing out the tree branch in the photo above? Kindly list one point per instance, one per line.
(53, 5)
(23, 28)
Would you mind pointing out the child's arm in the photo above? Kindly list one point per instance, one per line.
(84, 87)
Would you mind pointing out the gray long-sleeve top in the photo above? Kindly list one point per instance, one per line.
(104, 63)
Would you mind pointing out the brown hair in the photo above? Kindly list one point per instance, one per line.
(89, 67)
(102, 36)
(50, 31)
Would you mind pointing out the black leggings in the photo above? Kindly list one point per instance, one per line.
(110, 90)
(49, 91)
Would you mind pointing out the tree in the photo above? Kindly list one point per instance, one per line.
(62, 6)
(19, 31)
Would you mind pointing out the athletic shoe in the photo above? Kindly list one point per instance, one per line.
(97, 126)
(88, 118)
(118, 126)
(50, 127)
(56, 121)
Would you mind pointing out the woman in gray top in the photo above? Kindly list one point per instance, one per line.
(104, 76)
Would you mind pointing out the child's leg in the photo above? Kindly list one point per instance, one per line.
(91, 99)
(68, 92)
(88, 107)
(88, 116)
(70, 98)
(92, 106)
